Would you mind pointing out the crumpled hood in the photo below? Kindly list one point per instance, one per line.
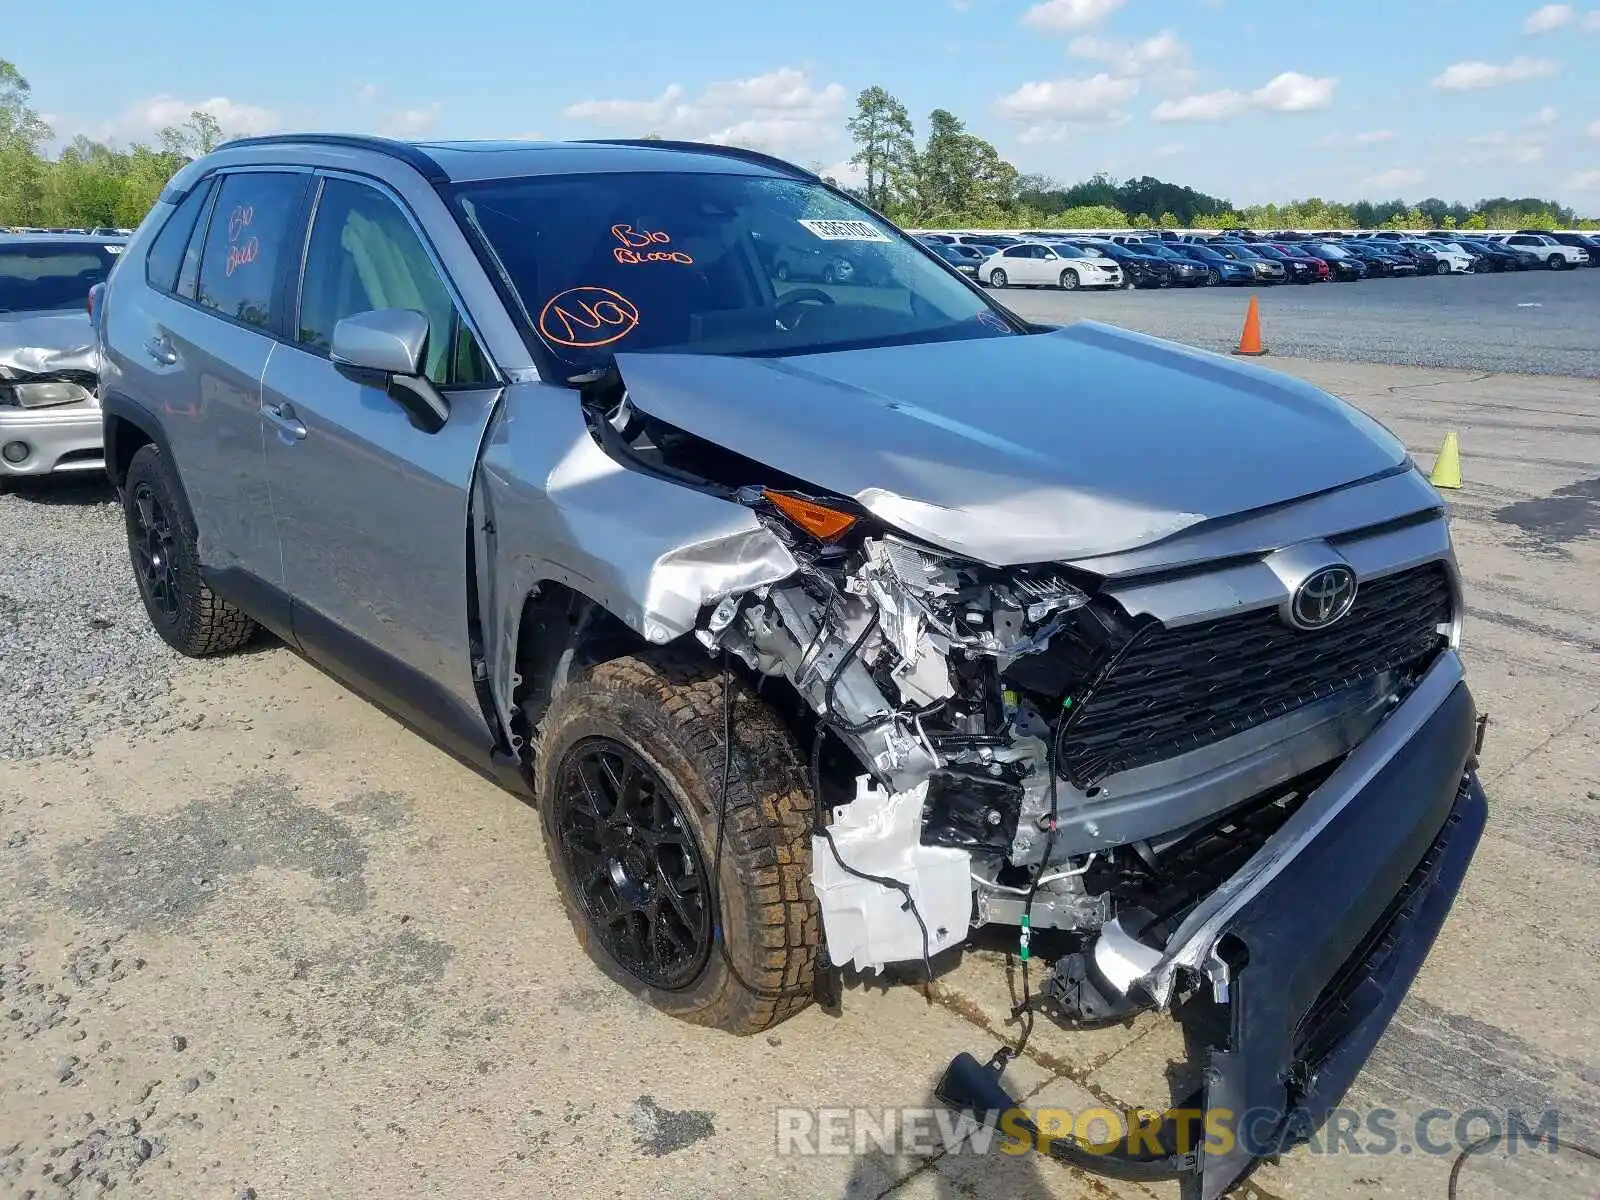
(1064, 445)
(33, 344)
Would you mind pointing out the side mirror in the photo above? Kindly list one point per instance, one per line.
(386, 348)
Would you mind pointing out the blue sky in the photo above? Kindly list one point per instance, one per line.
(1248, 99)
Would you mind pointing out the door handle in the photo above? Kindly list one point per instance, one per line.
(283, 416)
(160, 349)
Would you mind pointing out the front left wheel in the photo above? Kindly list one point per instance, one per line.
(185, 612)
(629, 777)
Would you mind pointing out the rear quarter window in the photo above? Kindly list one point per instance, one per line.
(167, 251)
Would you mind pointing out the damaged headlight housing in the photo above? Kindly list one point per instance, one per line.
(43, 393)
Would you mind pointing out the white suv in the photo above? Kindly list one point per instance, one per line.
(1556, 256)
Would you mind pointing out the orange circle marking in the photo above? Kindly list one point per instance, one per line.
(586, 317)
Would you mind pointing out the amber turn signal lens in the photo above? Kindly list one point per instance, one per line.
(818, 520)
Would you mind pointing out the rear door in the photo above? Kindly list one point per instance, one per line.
(193, 348)
(372, 511)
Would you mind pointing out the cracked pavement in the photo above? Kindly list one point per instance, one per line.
(278, 946)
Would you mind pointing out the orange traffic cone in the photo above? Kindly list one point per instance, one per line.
(1250, 339)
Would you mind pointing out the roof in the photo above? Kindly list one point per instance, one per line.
(65, 239)
(467, 161)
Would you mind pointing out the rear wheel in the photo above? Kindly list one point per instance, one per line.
(1069, 280)
(183, 609)
(629, 777)
(997, 278)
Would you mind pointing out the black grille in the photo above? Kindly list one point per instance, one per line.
(1179, 689)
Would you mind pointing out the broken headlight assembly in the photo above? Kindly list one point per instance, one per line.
(45, 393)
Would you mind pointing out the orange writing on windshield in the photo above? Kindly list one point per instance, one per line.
(637, 246)
(588, 317)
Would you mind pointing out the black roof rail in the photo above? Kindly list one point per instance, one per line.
(405, 152)
(738, 152)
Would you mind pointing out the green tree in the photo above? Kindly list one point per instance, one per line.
(886, 146)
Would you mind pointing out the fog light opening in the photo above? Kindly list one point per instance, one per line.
(16, 452)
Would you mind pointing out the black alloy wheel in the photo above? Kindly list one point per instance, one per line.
(639, 875)
(153, 545)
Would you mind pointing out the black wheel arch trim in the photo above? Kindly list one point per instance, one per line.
(117, 410)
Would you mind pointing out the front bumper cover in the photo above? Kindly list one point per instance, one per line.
(1324, 943)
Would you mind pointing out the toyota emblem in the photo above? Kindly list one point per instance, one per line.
(1323, 597)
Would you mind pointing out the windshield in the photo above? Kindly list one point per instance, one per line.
(1324, 250)
(50, 278)
(708, 263)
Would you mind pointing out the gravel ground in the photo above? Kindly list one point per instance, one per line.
(1527, 322)
(80, 657)
(258, 941)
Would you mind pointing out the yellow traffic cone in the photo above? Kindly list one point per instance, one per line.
(1447, 466)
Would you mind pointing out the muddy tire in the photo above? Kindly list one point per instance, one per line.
(183, 609)
(631, 857)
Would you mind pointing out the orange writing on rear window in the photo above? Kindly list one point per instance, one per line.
(587, 317)
(637, 243)
(242, 254)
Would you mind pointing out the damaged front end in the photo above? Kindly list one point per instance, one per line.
(1229, 811)
(49, 410)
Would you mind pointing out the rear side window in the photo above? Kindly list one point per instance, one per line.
(167, 251)
(246, 243)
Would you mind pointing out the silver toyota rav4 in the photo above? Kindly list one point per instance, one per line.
(825, 622)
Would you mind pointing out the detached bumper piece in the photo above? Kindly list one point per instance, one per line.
(1319, 960)
(1330, 947)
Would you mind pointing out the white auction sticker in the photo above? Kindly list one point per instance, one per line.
(845, 231)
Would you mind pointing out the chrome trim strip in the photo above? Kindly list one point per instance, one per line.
(1190, 599)
(1192, 945)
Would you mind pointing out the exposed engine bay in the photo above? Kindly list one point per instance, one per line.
(968, 778)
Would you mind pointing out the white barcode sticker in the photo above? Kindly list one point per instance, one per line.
(846, 231)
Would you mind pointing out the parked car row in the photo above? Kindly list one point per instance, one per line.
(1143, 259)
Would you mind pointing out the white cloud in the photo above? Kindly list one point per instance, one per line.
(1063, 16)
(139, 122)
(1585, 181)
(629, 112)
(1294, 92)
(411, 122)
(780, 111)
(1548, 115)
(1392, 179)
(1370, 137)
(1551, 16)
(846, 174)
(1049, 132)
(368, 92)
(1502, 147)
(1165, 50)
(1173, 149)
(1594, 129)
(1289, 91)
(1461, 75)
(1591, 22)
(1090, 100)
(1207, 106)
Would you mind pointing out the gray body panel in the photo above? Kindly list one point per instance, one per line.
(372, 514)
(652, 553)
(207, 400)
(1086, 441)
